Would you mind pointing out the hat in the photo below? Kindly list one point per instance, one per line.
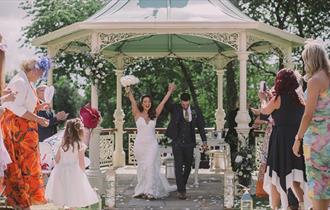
(44, 64)
(89, 116)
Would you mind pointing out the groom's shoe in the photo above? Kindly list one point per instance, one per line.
(182, 195)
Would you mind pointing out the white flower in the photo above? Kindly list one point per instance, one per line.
(100, 65)
(238, 159)
(88, 71)
(240, 173)
(249, 156)
(245, 175)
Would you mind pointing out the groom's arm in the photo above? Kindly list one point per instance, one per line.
(201, 125)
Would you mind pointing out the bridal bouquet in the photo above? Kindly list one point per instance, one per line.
(128, 81)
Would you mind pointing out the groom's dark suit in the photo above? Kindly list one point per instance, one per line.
(183, 138)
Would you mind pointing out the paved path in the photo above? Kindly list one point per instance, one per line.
(208, 196)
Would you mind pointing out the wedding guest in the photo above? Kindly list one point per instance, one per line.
(48, 113)
(314, 130)
(68, 184)
(23, 179)
(283, 169)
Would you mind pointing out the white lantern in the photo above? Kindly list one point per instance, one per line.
(246, 201)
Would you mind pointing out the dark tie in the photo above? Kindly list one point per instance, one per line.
(186, 115)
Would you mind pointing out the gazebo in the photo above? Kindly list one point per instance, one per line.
(213, 31)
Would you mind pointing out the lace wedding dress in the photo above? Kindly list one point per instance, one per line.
(150, 180)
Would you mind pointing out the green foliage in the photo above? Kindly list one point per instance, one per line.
(67, 97)
(50, 15)
(156, 74)
(303, 18)
(85, 68)
(244, 164)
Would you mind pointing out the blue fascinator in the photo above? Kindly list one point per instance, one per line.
(44, 64)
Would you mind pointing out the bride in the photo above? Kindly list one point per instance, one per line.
(151, 183)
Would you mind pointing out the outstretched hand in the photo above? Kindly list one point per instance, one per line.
(128, 89)
(171, 87)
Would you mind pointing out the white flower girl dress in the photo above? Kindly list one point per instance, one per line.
(68, 184)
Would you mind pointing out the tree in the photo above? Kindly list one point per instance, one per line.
(67, 97)
(50, 15)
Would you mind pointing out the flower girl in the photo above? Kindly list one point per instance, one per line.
(68, 184)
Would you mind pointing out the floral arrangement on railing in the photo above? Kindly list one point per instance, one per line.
(164, 141)
(244, 164)
(94, 67)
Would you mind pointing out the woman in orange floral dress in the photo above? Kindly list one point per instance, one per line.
(23, 177)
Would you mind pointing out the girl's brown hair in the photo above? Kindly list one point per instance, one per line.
(72, 134)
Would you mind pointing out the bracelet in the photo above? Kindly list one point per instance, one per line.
(300, 139)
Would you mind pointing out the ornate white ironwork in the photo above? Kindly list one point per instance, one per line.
(231, 39)
(112, 38)
(106, 149)
(251, 39)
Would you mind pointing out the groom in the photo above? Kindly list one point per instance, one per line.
(181, 129)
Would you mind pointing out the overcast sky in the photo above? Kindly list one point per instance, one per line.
(11, 21)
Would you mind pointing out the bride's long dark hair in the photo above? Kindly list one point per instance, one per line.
(151, 111)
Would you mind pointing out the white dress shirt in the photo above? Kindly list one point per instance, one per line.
(189, 113)
(26, 98)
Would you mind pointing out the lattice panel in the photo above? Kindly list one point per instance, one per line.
(131, 139)
(106, 149)
(167, 151)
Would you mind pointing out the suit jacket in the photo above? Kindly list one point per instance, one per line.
(177, 117)
(46, 132)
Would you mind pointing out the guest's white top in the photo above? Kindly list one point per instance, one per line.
(26, 98)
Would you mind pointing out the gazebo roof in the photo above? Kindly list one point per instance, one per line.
(169, 11)
(183, 18)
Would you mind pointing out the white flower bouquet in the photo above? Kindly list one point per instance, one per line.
(129, 80)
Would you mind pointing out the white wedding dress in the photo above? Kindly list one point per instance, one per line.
(150, 180)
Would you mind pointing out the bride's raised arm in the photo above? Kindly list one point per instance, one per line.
(135, 109)
(160, 107)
